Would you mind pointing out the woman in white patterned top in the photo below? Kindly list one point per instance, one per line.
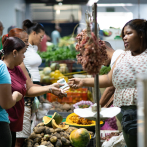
(123, 74)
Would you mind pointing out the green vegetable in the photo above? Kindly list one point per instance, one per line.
(105, 70)
(55, 53)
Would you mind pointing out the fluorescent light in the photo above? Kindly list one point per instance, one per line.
(60, 4)
(58, 12)
(59, 0)
(115, 5)
(91, 2)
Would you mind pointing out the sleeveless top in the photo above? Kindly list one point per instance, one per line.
(32, 61)
(124, 78)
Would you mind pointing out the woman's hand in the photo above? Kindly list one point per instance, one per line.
(57, 85)
(17, 96)
(55, 89)
(76, 83)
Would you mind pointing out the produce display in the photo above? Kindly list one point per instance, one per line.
(92, 53)
(65, 41)
(62, 107)
(48, 121)
(83, 104)
(73, 96)
(80, 137)
(62, 125)
(79, 120)
(70, 122)
(57, 135)
(51, 74)
(56, 53)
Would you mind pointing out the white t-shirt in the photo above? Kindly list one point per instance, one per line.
(115, 56)
(32, 61)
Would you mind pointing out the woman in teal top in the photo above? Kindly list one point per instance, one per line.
(7, 100)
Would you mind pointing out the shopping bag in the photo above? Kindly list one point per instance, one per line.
(35, 105)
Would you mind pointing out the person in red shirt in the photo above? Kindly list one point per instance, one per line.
(13, 56)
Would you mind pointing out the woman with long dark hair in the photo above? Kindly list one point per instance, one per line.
(14, 49)
(123, 75)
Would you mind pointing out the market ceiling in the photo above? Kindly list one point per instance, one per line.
(52, 2)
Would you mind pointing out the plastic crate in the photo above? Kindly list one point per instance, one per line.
(72, 96)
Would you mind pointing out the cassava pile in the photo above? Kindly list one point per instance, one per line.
(92, 52)
(49, 137)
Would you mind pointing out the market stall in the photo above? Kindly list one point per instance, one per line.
(74, 120)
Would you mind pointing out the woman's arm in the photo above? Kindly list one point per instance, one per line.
(104, 80)
(7, 99)
(37, 90)
(109, 91)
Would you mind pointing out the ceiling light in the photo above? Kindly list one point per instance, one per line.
(60, 4)
(115, 5)
(58, 12)
(91, 2)
(59, 0)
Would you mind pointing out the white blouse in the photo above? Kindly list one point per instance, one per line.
(32, 61)
(124, 78)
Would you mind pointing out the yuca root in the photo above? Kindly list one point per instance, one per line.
(92, 52)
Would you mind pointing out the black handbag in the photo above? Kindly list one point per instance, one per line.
(129, 121)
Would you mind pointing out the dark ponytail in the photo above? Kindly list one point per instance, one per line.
(29, 26)
(140, 26)
(11, 43)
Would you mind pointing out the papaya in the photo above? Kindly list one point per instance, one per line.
(48, 121)
(57, 117)
(62, 126)
(79, 137)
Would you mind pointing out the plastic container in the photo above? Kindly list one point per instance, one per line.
(72, 96)
(68, 62)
